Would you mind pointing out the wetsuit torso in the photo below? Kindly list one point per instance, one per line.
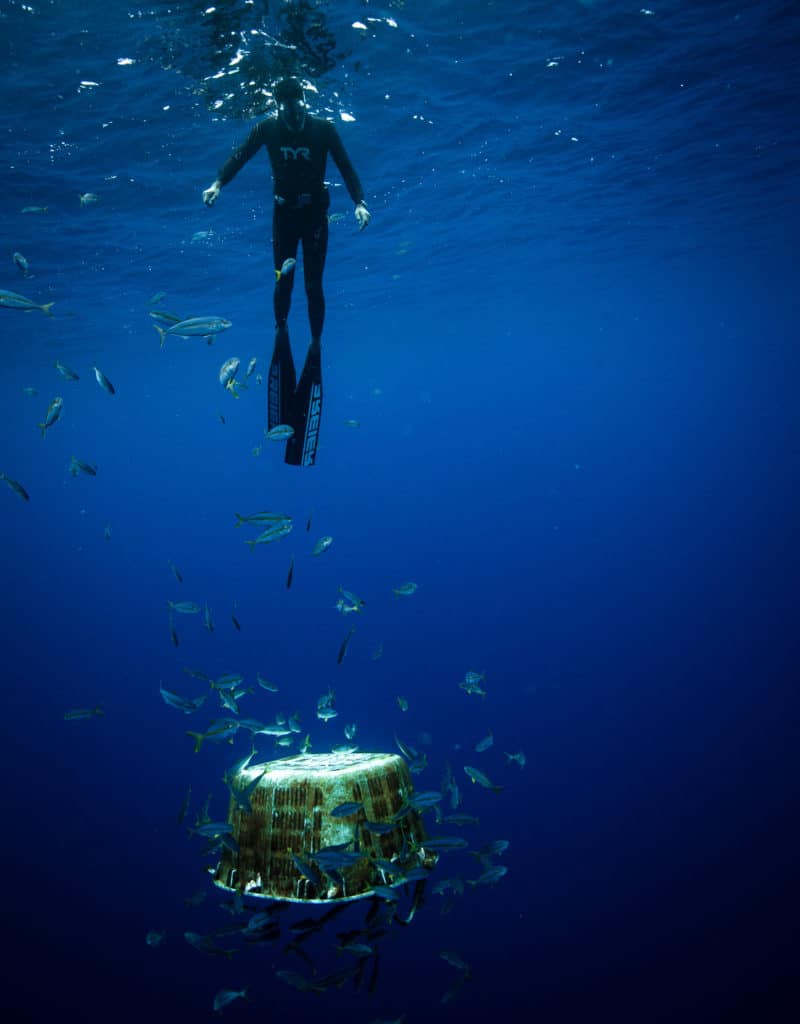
(298, 159)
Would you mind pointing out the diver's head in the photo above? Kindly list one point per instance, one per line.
(291, 104)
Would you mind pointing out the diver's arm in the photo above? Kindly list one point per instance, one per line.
(346, 169)
(251, 145)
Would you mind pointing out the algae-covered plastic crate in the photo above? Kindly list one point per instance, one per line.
(291, 821)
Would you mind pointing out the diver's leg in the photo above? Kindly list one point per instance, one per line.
(286, 232)
(315, 249)
(282, 377)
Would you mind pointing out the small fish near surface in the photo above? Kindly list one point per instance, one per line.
(103, 381)
(287, 267)
(52, 415)
(344, 645)
(405, 589)
(270, 535)
(227, 375)
(66, 372)
(88, 198)
(322, 545)
(16, 487)
(77, 466)
(260, 518)
(12, 300)
(22, 264)
(349, 603)
(207, 327)
(281, 432)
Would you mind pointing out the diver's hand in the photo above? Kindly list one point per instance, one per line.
(211, 194)
(362, 216)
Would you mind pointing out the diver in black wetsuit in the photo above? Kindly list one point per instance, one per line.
(298, 145)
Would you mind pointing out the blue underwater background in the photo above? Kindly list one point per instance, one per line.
(569, 336)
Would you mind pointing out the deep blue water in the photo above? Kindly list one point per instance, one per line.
(569, 337)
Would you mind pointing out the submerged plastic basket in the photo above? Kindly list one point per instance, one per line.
(291, 818)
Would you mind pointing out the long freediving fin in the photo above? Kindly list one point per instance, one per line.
(281, 380)
(301, 448)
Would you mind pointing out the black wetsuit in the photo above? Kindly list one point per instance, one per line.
(298, 162)
(300, 214)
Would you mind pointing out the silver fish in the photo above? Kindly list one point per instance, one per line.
(185, 704)
(490, 876)
(103, 381)
(287, 267)
(259, 518)
(483, 780)
(21, 264)
(66, 372)
(196, 327)
(484, 743)
(76, 466)
(52, 415)
(272, 534)
(281, 432)
(228, 995)
(227, 375)
(12, 300)
(77, 714)
(16, 487)
(322, 545)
